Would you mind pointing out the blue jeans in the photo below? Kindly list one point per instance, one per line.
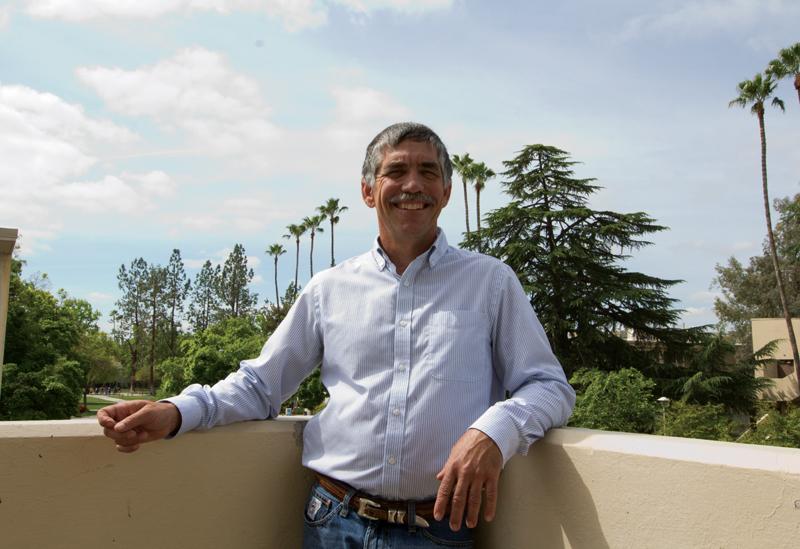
(332, 524)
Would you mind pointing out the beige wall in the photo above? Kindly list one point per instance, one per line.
(63, 485)
(765, 330)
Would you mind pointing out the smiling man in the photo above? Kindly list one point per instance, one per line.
(419, 344)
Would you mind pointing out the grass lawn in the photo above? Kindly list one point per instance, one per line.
(125, 396)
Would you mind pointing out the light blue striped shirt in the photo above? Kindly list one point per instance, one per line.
(411, 362)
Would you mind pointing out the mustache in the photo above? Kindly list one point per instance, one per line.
(412, 197)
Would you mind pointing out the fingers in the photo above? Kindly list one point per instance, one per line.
(457, 504)
(443, 494)
(490, 506)
(473, 505)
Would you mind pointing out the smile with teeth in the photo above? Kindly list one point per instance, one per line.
(411, 205)
(412, 201)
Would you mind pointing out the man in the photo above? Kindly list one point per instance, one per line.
(419, 343)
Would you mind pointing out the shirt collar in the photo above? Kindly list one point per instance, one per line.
(435, 252)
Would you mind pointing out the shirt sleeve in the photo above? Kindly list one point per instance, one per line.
(257, 389)
(540, 396)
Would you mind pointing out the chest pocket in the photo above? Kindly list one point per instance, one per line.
(459, 346)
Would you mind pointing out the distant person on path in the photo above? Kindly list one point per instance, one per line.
(419, 343)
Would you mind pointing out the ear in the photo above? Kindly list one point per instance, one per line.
(366, 194)
(447, 195)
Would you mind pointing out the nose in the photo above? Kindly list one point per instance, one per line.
(413, 182)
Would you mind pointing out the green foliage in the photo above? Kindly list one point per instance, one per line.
(712, 374)
(204, 299)
(777, 429)
(569, 259)
(215, 352)
(749, 290)
(613, 401)
(49, 392)
(46, 369)
(234, 296)
(709, 421)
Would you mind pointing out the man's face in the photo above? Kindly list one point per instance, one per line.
(408, 193)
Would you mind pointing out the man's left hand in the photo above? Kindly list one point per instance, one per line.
(474, 465)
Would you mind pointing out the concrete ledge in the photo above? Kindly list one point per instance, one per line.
(62, 484)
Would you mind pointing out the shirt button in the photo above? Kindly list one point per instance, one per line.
(402, 367)
(406, 283)
(392, 461)
(403, 323)
(396, 412)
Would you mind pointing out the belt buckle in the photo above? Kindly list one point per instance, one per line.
(364, 505)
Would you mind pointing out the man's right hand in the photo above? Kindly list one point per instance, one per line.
(134, 422)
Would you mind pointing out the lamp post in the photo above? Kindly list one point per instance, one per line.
(664, 402)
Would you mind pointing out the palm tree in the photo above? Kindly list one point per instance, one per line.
(276, 250)
(313, 224)
(295, 231)
(331, 211)
(481, 173)
(755, 92)
(787, 64)
(463, 166)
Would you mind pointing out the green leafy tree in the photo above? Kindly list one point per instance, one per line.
(97, 354)
(296, 231)
(276, 250)
(215, 352)
(776, 428)
(313, 225)
(749, 290)
(755, 93)
(204, 304)
(569, 259)
(233, 282)
(155, 285)
(613, 401)
(463, 167)
(706, 421)
(331, 210)
(786, 65)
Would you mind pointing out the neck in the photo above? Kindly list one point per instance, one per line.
(402, 253)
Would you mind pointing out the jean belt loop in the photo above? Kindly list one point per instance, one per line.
(412, 516)
(346, 502)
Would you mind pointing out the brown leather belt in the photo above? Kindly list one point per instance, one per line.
(372, 508)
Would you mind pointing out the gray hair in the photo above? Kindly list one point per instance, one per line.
(393, 136)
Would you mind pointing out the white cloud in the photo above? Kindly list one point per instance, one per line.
(219, 257)
(295, 14)
(5, 16)
(403, 6)
(705, 296)
(44, 143)
(126, 194)
(699, 16)
(220, 110)
(96, 297)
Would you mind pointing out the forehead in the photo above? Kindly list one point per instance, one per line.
(411, 151)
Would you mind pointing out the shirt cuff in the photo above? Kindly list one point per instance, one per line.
(190, 410)
(501, 429)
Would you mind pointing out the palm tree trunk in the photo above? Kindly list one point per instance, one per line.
(277, 299)
(333, 262)
(478, 217)
(773, 249)
(296, 262)
(311, 255)
(466, 204)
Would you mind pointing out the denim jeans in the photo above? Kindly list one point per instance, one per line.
(332, 524)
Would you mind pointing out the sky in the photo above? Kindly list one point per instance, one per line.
(130, 128)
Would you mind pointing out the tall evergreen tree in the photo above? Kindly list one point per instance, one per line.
(204, 304)
(177, 288)
(331, 211)
(756, 92)
(568, 258)
(155, 285)
(130, 321)
(232, 288)
(313, 225)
